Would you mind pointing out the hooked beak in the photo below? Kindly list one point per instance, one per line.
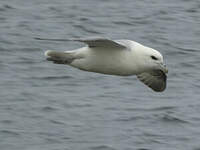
(163, 68)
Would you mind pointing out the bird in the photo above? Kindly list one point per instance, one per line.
(115, 57)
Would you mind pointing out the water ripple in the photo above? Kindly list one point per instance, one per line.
(171, 119)
(102, 147)
(48, 109)
(53, 77)
(164, 108)
(6, 7)
(83, 28)
(9, 132)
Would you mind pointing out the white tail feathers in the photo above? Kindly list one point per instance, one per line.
(59, 57)
(50, 53)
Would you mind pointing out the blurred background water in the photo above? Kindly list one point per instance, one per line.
(56, 107)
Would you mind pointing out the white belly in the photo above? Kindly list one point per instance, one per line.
(114, 62)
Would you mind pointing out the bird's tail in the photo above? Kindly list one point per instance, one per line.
(59, 57)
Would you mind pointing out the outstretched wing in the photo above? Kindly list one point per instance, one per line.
(95, 42)
(156, 79)
(101, 42)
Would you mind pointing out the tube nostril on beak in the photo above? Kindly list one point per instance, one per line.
(164, 67)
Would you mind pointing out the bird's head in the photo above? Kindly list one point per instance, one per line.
(153, 60)
(154, 71)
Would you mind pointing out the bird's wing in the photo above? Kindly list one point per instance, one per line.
(101, 42)
(156, 79)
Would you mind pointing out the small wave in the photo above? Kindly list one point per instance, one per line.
(48, 109)
(86, 30)
(172, 119)
(184, 50)
(189, 65)
(53, 77)
(77, 105)
(102, 147)
(2, 49)
(9, 132)
(52, 140)
(5, 41)
(192, 10)
(29, 49)
(164, 108)
(143, 22)
(122, 23)
(84, 19)
(57, 122)
(6, 121)
(56, 9)
(151, 109)
(188, 49)
(24, 60)
(130, 119)
(6, 7)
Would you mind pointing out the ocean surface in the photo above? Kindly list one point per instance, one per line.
(44, 106)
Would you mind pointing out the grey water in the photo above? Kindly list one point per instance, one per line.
(44, 106)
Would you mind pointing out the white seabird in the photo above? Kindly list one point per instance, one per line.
(116, 57)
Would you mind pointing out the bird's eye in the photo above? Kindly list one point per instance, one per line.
(154, 58)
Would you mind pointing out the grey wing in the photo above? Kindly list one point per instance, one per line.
(101, 42)
(157, 80)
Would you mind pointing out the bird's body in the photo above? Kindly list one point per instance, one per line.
(119, 57)
(106, 61)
